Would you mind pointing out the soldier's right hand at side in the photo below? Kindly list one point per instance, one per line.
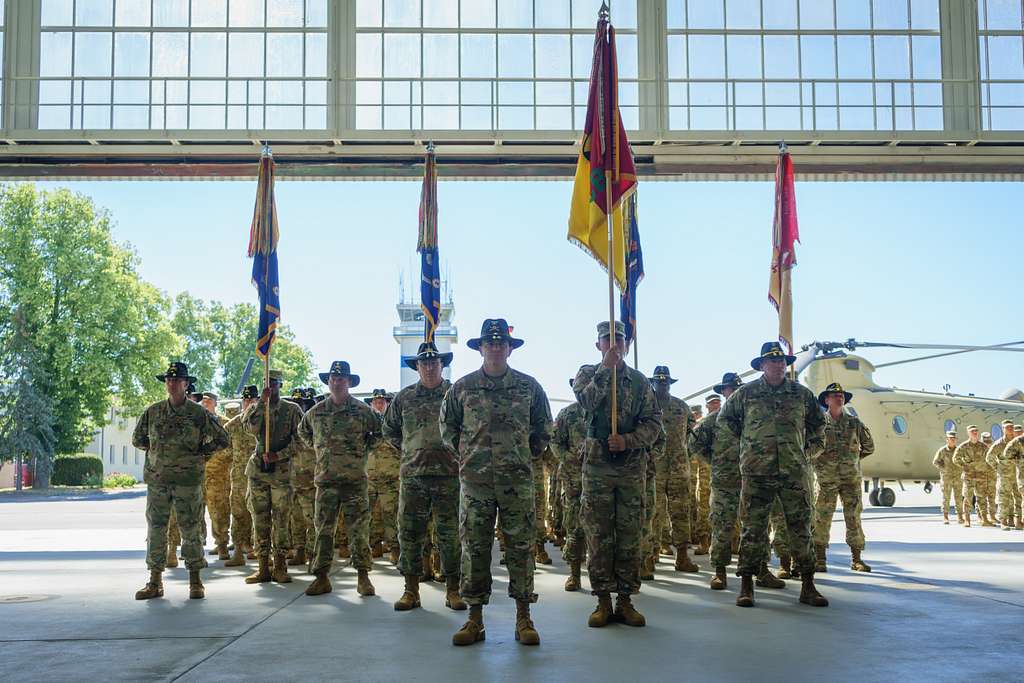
(270, 457)
(611, 358)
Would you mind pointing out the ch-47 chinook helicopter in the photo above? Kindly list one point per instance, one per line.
(907, 426)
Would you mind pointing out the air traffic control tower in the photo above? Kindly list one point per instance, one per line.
(409, 331)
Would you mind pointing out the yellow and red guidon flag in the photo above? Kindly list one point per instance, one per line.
(604, 149)
(785, 235)
(263, 236)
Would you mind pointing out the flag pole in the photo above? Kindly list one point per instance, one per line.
(783, 149)
(266, 153)
(606, 13)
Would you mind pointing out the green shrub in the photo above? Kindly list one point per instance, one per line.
(119, 480)
(74, 470)
(93, 480)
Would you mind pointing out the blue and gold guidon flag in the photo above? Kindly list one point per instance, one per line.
(263, 236)
(634, 268)
(430, 269)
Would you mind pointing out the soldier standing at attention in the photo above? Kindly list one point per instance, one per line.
(496, 421)
(775, 421)
(970, 455)
(269, 472)
(242, 445)
(570, 433)
(837, 466)
(672, 473)
(342, 429)
(1015, 453)
(1006, 487)
(429, 477)
(303, 490)
(217, 486)
(178, 437)
(950, 477)
(382, 469)
(614, 475)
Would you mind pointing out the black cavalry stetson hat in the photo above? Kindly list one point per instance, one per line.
(176, 369)
(834, 388)
(729, 379)
(771, 349)
(340, 367)
(427, 351)
(377, 393)
(662, 374)
(251, 391)
(494, 329)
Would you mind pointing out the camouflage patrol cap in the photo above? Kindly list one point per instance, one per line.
(951, 434)
(276, 376)
(972, 428)
(602, 329)
(1007, 423)
(210, 395)
(1018, 428)
(711, 398)
(985, 436)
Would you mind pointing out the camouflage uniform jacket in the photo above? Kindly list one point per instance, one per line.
(847, 440)
(342, 436)
(971, 456)
(283, 437)
(943, 461)
(242, 442)
(723, 455)
(639, 418)
(678, 422)
(303, 462)
(384, 460)
(570, 433)
(496, 426)
(775, 427)
(1014, 451)
(996, 457)
(411, 425)
(178, 441)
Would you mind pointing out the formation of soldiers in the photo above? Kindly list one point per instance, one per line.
(984, 475)
(434, 473)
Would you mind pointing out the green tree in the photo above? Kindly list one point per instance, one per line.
(99, 330)
(191, 320)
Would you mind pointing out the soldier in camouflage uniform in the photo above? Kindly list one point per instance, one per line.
(970, 455)
(672, 475)
(837, 470)
(1006, 471)
(989, 478)
(775, 422)
(217, 487)
(1014, 453)
(555, 509)
(570, 433)
(700, 529)
(303, 490)
(614, 474)
(429, 477)
(269, 472)
(178, 437)
(496, 421)
(242, 446)
(342, 429)
(950, 478)
(383, 471)
(542, 467)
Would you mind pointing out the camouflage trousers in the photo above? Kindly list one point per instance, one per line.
(950, 492)
(302, 530)
(700, 513)
(187, 503)
(757, 496)
(555, 510)
(269, 498)
(648, 545)
(990, 494)
(1008, 493)
(540, 499)
(672, 506)
(479, 505)
(217, 494)
(613, 509)
(241, 518)
(420, 500)
(977, 488)
(725, 513)
(331, 500)
(383, 492)
(825, 506)
(575, 539)
(174, 533)
(341, 533)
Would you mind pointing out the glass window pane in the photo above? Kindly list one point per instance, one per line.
(170, 54)
(781, 15)
(132, 13)
(131, 54)
(57, 13)
(209, 12)
(924, 14)
(401, 55)
(552, 14)
(515, 56)
(892, 57)
(92, 54)
(55, 54)
(94, 13)
(284, 12)
(368, 55)
(854, 56)
(927, 57)
(707, 56)
(553, 59)
(625, 45)
(477, 14)
(246, 13)
(316, 55)
(369, 13)
(284, 54)
(677, 56)
(817, 56)
(170, 13)
(781, 57)
(705, 14)
(245, 54)
(744, 54)
(440, 55)
(853, 14)
(208, 56)
(1002, 14)
(440, 13)
(477, 56)
(514, 13)
(316, 13)
(401, 12)
(743, 14)
(891, 15)
(817, 15)
(1005, 57)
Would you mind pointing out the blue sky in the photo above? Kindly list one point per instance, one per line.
(903, 262)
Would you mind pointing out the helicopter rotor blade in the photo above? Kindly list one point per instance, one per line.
(853, 344)
(948, 353)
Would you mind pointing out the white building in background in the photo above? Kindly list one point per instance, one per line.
(112, 444)
(409, 332)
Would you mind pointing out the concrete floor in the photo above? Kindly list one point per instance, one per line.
(943, 604)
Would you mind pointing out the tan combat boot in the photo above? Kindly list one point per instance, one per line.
(683, 561)
(857, 564)
(718, 581)
(809, 595)
(154, 588)
(299, 559)
(452, 599)
(238, 559)
(195, 585)
(321, 584)
(435, 565)
(666, 550)
(222, 551)
(540, 555)
(626, 613)
(377, 550)
(473, 630)
(572, 584)
(765, 578)
(526, 633)
(343, 552)
(262, 573)
(603, 613)
(986, 520)
(647, 569)
(945, 516)
(785, 567)
(172, 556)
(1020, 524)
(250, 552)
(280, 571)
(394, 554)
(702, 547)
(820, 563)
(363, 585)
(411, 597)
(746, 596)
(967, 513)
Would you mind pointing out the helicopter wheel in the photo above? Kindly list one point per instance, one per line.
(886, 497)
(873, 497)
(927, 487)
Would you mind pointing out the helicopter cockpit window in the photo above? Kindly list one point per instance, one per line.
(851, 411)
(899, 425)
(949, 426)
(997, 432)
